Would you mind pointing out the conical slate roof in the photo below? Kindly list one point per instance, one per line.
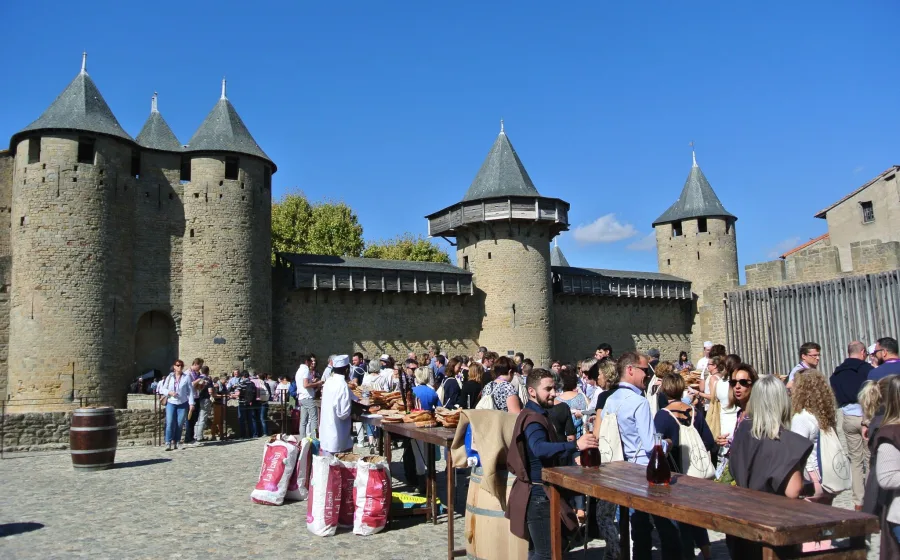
(156, 133)
(501, 174)
(697, 200)
(224, 131)
(557, 258)
(79, 107)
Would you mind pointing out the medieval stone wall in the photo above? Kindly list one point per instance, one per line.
(227, 288)
(583, 322)
(510, 266)
(72, 248)
(7, 170)
(328, 322)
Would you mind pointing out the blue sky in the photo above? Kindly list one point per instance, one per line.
(392, 106)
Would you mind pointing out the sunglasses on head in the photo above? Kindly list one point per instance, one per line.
(742, 382)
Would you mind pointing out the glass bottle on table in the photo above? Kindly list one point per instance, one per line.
(658, 471)
(590, 458)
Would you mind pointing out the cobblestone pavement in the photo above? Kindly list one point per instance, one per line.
(193, 503)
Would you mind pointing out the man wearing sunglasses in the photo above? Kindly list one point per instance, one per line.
(886, 352)
(636, 429)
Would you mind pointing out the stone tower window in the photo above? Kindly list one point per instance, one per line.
(85, 149)
(676, 229)
(267, 177)
(34, 150)
(465, 263)
(231, 167)
(701, 225)
(868, 212)
(727, 227)
(135, 163)
(185, 168)
(669, 262)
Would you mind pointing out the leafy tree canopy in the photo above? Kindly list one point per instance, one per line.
(321, 228)
(406, 247)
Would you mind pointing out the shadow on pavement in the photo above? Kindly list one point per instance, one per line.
(9, 529)
(141, 463)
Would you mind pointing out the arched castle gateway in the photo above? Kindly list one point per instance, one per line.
(122, 252)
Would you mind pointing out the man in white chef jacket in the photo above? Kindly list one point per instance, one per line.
(335, 425)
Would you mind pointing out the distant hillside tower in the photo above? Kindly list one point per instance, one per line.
(696, 240)
(227, 301)
(503, 228)
(72, 210)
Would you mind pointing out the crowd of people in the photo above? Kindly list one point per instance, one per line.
(775, 434)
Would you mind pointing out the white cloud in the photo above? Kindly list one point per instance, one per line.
(605, 229)
(783, 246)
(858, 169)
(646, 243)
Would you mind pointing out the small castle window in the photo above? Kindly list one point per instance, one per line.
(231, 167)
(489, 255)
(698, 255)
(465, 263)
(171, 196)
(727, 227)
(85, 149)
(669, 261)
(868, 212)
(185, 168)
(34, 150)
(676, 229)
(267, 177)
(22, 221)
(701, 225)
(192, 233)
(135, 163)
(196, 195)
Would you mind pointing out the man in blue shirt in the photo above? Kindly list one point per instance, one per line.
(543, 450)
(636, 429)
(886, 352)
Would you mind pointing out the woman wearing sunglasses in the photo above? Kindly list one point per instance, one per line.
(740, 386)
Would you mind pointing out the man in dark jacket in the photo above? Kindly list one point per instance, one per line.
(846, 382)
(537, 446)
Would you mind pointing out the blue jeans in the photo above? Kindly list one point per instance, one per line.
(641, 535)
(175, 416)
(263, 416)
(895, 529)
(537, 518)
(247, 415)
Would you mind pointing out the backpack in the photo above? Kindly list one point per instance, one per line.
(487, 401)
(440, 391)
(609, 438)
(834, 466)
(247, 392)
(262, 390)
(695, 459)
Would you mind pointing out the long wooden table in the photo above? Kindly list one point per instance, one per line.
(432, 437)
(774, 521)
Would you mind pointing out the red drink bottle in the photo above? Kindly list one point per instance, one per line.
(590, 458)
(658, 471)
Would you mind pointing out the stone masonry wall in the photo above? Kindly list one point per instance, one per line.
(336, 322)
(72, 240)
(159, 220)
(227, 286)
(873, 256)
(7, 169)
(33, 431)
(510, 264)
(583, 322)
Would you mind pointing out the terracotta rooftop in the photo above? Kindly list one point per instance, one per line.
(805, 245)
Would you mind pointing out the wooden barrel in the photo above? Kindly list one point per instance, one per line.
(487, 528)
(93, 437)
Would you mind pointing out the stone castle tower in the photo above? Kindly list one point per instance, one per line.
(127, 253)
(503, 228)
(696, 240)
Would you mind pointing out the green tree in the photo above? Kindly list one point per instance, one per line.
(321, 228)
(406, 247)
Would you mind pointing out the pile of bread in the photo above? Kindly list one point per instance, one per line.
(691, 377)
(381, 400)
(446, 417)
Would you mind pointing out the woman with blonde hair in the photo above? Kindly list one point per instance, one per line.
(765, 454)
(813, 406)
(886, 457)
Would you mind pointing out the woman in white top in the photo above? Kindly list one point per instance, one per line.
(717, 388)
(179, 402)
(813, 406)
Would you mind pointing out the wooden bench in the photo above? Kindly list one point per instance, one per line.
(774, 521)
